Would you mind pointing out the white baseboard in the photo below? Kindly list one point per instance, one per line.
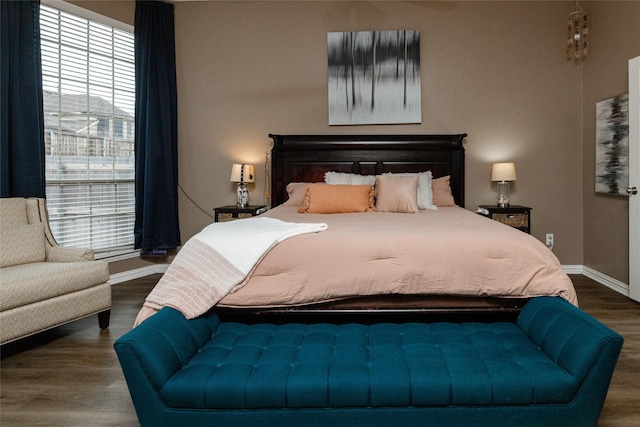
(609, 282)
(592, 274)
(603, 279)
(137, 273)
(573, 269)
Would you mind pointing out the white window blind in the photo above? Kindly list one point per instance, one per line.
(89, 93)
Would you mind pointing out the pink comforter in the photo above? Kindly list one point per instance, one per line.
(450, 251)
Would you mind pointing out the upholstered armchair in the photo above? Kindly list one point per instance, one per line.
(42, 284)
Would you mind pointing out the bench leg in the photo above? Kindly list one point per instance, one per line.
(103, 319)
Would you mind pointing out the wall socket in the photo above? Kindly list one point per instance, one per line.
(549, 240)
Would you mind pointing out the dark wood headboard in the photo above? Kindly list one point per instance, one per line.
(306, 158)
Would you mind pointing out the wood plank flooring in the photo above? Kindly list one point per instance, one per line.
(70, 376)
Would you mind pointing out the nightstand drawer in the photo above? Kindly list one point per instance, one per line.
(224, 217)
(514, 216)
(517, 220)
(231, 213)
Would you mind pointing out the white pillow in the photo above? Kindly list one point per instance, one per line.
(425, 192)
(339, 178)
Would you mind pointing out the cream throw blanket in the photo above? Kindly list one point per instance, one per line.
(216, 261)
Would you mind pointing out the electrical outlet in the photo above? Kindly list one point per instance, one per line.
(549, 240)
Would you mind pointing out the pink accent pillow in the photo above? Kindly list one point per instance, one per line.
(325, 199)
(397, 193)
(296, 192)
(442, 191)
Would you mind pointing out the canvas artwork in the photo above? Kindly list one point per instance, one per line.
(612, 145)
(374, 77)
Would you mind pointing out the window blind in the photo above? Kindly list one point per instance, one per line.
(88, 79)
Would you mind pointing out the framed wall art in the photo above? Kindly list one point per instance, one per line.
(612, 145)
(374, 77)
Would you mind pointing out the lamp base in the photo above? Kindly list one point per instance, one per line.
(503, 194)
(242, 196)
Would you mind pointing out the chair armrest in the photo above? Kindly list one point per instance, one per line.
(62, 254)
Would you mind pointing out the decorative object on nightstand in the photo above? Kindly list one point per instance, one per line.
(503, 173)
(242, 173)
(231, 212)
(514, 216)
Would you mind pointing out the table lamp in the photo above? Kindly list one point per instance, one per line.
(242, 173)
(503, 173)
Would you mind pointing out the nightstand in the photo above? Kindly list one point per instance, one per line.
(515, 216)
(232, 212)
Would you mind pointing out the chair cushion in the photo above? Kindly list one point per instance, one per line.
(29, 283)
(21, 244)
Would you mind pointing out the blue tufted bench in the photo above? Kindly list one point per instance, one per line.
(552, 367)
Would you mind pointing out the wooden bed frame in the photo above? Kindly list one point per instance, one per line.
(306, 158)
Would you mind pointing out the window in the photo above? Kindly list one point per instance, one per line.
(89, 93)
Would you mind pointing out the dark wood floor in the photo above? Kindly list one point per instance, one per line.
(70, 376)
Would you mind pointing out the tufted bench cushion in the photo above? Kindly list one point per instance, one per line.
(553, 365)
(381, 365)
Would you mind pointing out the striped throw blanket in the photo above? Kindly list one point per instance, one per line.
(217, 260)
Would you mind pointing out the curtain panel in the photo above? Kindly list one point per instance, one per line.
(156, 139)
(22, 153)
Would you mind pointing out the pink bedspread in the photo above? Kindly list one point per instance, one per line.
(215, 261)
(450, 251)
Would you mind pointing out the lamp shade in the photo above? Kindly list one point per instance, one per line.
(503, 172)
(242, 173)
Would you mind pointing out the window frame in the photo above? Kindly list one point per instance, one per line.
(122, 251)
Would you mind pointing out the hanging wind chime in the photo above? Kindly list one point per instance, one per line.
(577, 34)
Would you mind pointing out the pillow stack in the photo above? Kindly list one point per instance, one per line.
(392, 192)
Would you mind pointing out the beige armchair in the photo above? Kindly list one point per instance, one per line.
(42, 284)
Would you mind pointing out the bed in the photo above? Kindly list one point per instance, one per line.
(366, 253)
(462, 296)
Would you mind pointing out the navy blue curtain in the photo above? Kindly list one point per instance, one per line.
(21, 113)
(156, 142)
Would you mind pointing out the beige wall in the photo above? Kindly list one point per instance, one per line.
(615, 38)
(495, 70)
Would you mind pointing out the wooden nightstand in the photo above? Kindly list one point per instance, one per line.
(515, 216)
(232, 212)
